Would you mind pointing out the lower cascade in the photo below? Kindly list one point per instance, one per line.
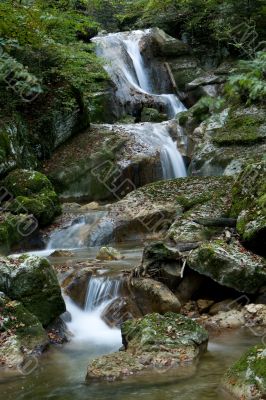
(87, 324)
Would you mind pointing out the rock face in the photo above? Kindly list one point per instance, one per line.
(230, 265)
(153, 342)
(229, 141)
(246, 379)
(249, 205)
(105, 162)
(151, 210)
(32, 281)
(153, 296)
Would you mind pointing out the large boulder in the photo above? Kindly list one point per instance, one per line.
(106, 162)
(31, 192)
(32, 281)
(229, 141)
(249, 205)
(166, 45)
(149, 211)
(21, 335)
(229, 264)
(153, 342)
(153, 296)
(246, 379)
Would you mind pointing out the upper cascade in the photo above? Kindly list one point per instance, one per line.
(131, 74)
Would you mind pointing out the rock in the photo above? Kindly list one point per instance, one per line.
(119, 311)
(208, 79)
(249, 205)
(204, 305)
(76, 284)
(185, 69)
(62, 253)
(149, 211)
(32, 193)
(255, 314)
(225, 320)
(153, 342)
(152, 115)
(22, 336)
(152, 296)
(14, 229)
(88, 207)
(104, 163)
(165, 45)
(246, 379)
(32, 281)
(229, 141)
(225, 305)
(108, 254)
(229, 265)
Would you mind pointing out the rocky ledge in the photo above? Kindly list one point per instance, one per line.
(152, 342)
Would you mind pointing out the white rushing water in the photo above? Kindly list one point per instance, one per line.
(87, 324)
(126, 67)
(158, 137)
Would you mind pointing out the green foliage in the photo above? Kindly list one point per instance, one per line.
(248, 83)
(45, 45)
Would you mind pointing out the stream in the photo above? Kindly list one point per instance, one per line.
(61, 372)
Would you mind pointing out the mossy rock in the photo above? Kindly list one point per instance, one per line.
(152, 115)
(22, 182)
(229, 265)
(153, 342)
(249, 205)
(21, 332)
(14, 228)
(241, 129)
(246, 379)
(32, 281)
(152, 331)
(32, 193)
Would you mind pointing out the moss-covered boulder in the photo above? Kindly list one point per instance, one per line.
(249, 206)
(153, 342)
(228, 141)
(152, 115)
(229, 264)
(32, 193)
(14, 228)
(150, 210)
(103, 163)
(21, 335)
(32, 281)
(246, 379)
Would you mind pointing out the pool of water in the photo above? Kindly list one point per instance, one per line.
(61, 374)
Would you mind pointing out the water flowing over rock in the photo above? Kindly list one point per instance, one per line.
(87, 324)
(131, 75)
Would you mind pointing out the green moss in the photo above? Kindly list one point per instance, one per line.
(243, 130)
(22, 182)
(249, 373)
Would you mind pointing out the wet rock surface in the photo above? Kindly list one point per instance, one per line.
(152, 342)
(246, 379)
(32, 281)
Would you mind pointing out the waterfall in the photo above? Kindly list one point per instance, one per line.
(87, 324)
(74, 236)
(127, 69)
(157, 137)
(101, 291)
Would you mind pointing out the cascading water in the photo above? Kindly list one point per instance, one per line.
(127, 69)
(87, 324)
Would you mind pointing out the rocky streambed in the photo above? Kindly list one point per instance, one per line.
(161, 291)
